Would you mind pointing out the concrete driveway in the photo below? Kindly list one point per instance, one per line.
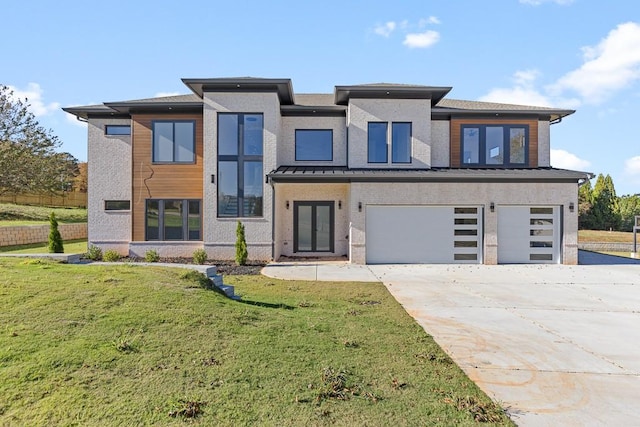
(556, 345)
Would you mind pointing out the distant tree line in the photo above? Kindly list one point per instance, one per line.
(599, 208)
(29, 162)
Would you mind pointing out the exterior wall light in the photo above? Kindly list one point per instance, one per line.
(339, 204)
(359, 206)
(492, 207)
(571, 207)
(287, 204)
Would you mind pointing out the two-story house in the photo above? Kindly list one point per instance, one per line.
(379, 173)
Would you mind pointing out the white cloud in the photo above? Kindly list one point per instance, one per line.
(33, 96)
(385, 29)
(632, 166)
(433, 20)
(565, 160)
(611, 65)
(421, 40)
(539, 2)
(163, 94)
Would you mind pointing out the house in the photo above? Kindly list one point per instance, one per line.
(379, 173)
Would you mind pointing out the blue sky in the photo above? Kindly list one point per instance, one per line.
(578, 54)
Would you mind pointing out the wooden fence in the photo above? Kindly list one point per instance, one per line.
(73, 199)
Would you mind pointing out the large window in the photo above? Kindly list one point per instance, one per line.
(378, 147)
(494, 145)
(174, 141)
(173, 220)
(314, 145)
(240, 174)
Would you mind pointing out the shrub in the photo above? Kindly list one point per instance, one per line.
(94, 253)
(111, 256)
(151, 256)
(241, 245)
(55, 239)
(199, 256)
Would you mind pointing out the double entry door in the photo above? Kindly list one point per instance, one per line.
(313, 226)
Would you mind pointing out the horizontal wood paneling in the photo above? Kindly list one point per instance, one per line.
(455, 137)
(167, 181)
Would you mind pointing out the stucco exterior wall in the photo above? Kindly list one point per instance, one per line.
(363, 111)
(440, 143)
(550, 194)
(220, 233)
(287, 141)
(109, 170)
(544, 144)
(338, 193)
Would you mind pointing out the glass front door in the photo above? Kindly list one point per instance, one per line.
(313, 224)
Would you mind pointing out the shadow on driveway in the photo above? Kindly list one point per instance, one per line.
(595, 258)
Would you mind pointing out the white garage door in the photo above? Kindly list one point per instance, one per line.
(528, 234)
(423, 234)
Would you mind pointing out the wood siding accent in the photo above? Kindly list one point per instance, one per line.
(161, 181)
(455, 137)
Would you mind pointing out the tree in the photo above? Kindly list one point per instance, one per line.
(241, 245)
(629, 208)
(585, 204)
(81, 180)
(28, 158)
(605, 211)
(55, 239)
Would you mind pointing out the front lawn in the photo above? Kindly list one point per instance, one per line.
(132, 345)
(601, 236)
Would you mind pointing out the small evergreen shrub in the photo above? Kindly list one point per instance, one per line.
(241, 245)
(94, 253)
(199, 256)
(111, 256)
(55, 239)
(151, 256)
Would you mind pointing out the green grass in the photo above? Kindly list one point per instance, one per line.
(70, 247)
(131, 345)
(600, 236)
(11, 214)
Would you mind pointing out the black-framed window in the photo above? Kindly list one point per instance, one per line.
(240, 168)
(174, 141)
(173, 219)
(117, 205)
(401, 142)
(117, 130)
(314, 144)
(377, 142)
(494, 145)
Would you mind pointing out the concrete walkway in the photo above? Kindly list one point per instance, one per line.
(555, 345)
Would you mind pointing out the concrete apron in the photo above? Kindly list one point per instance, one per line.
(554, 345)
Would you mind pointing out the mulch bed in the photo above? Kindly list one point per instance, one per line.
(226, 267)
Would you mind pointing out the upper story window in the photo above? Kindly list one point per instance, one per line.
(377, 142)
(240, 170)
(174, 141)
(117, 130)
(494, 145)
(314, 145)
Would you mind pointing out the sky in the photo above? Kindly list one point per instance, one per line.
(576, 54)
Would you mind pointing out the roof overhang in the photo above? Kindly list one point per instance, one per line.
(342, 94)
(324, 174)
(282, 87)
(439, 113)
(129, 108)
(85, 112)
